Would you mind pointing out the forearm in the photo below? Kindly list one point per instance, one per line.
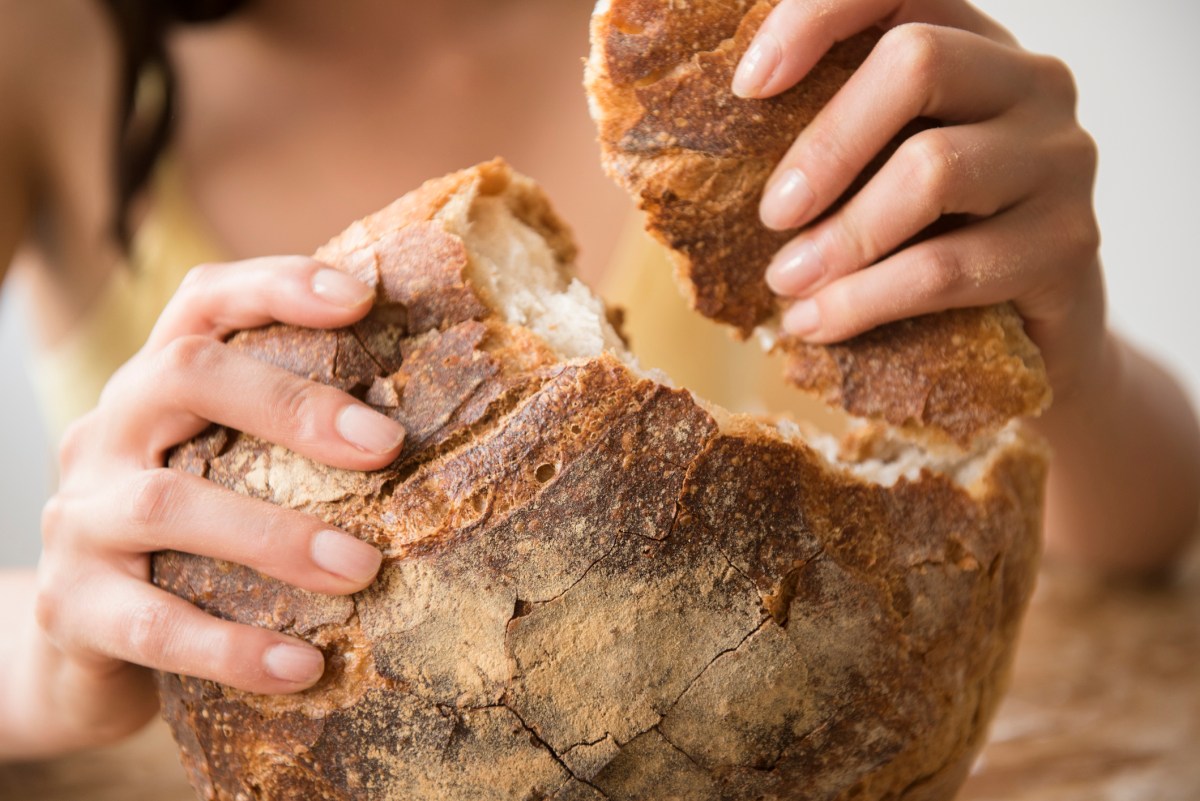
(48, 702)
(1124, 488)
(22, 664)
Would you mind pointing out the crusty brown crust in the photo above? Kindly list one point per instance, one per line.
(593, 590)
(963, 372)
(696, 158)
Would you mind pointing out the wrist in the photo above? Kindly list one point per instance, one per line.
(1087, 394)
(55, 703)
(1126, 463)
(1082, 354)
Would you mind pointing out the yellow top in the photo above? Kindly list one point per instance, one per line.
(171, 240)
(663, 331)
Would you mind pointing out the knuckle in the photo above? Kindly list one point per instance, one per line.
(1085, 152)
(48, 602)
(1056, 79)
(914, 52)
(71, 446)
(199, 279)
(829, 149)
(153, 497)
(233, 649)
(1080, 234)
(293, 405)
(186, 354)
(273, 529)
(119, 385)
(854, 240)
(931, 160)
(55, 603)
(839, 313)
(940, 268)
(54, 522)
(149, 627)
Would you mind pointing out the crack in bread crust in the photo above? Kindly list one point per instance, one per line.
(693, 154)
(593, 589)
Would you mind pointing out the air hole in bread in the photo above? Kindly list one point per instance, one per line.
(651, 79)
(521, 608)
(628, 27)
(680, 572)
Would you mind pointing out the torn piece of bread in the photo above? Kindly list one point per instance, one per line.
(696, 158)
(597, 586)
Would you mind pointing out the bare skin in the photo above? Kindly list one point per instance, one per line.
(428, 88)
(1010, 153)
(442, 80)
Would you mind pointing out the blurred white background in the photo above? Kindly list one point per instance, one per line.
(1138, 70)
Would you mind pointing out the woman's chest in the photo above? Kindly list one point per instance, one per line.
(279, 151)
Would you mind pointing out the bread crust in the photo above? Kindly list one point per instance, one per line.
(696, 158)
(592, 589)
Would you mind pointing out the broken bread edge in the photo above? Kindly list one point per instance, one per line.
(595, 585)
(696, 158)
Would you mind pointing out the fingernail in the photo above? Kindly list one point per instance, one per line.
(757, 66)
(786, 200)
(340, 289)
(294, 663)
(345, 556)
(795, 269)
(802, 319)
(369, 430)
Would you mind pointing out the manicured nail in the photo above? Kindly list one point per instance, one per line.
(294, 663)
(795, 269)
(786, 200)
(369, 430)
(757, 66)
(340, 289)
(345, 556)
(802, 319)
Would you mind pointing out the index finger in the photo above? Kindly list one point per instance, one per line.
(216, 299)
(798, 33)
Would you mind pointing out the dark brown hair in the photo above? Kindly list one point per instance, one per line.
(142, 133)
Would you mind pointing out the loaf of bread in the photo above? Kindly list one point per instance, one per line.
(691, 152)
(597, 586)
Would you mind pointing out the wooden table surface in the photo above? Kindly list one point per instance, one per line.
(1104, 706)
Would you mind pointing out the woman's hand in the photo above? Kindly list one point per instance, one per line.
(118, 503)
(1009, 158)
(1009, 155)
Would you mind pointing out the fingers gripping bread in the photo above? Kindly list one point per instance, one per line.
(693, 154)
(597, 586)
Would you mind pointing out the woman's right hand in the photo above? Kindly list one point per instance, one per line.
(118, 503)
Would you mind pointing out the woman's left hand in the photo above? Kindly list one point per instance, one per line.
(1008, 154)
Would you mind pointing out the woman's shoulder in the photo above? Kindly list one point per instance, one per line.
(55, 55)
(58, 95)
(58, 85)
